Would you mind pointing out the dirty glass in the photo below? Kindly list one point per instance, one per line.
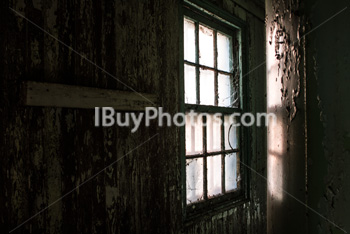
(214, 175)
(224, 90)
(224, 48)
(213, 133)
(194, 135)
(233, 138)
(206, 84)
(190, 84)
(189, 40)
(194, 180)
(206, 46)
(231, 178)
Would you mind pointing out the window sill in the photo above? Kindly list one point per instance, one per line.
(206, 209)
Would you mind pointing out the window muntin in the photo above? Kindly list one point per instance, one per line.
(212, 166)
(208, 146)
(209, 66)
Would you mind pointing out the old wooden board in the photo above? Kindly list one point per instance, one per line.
(60, 95)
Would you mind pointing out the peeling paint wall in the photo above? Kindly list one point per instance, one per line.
(285, 98)
(46, 152)
(308, 88)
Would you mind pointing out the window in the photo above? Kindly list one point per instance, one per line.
(212, 94)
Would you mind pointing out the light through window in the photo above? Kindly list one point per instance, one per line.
(211, 80)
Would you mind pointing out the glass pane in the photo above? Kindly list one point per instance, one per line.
(214, 175)
(194, 135)
(194, 180)
(213, 133)
(206, 84)
(224, 43)
(189, 40)
(206, 46)
(233, 138)
(224, 89)
(190, 84)
(231, 169)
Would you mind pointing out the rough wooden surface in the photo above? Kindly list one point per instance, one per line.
(73, 96)
(45, 152)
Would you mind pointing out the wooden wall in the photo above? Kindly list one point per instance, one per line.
(45, 152)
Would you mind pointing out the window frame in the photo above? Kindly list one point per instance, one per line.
(208, 14)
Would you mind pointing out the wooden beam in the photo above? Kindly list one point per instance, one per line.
(60, 95)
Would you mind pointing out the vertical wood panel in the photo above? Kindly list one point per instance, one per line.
(46, 152)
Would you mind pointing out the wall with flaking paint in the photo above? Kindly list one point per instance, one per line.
(285, 98)
(46, 152)
(308, 149)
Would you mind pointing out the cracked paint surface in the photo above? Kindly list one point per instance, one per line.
(46, 152)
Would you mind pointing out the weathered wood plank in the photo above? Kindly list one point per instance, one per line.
(60, 95)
